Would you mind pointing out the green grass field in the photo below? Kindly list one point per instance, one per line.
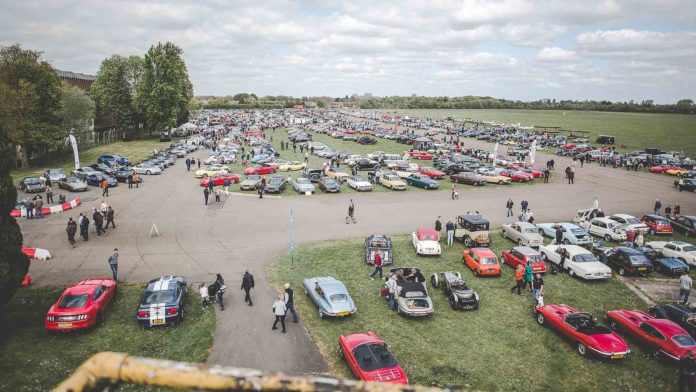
(498, 347)
(33, 360)
(634, 130)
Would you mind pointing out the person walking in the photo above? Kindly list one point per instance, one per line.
(377, 262)
(524, 204)
(279, 310)
(289, 299)
(38, 204)
(351, 212)
(449, 228)
(547, 174)
(110, 218)
(519, 280)
(559, 235)
(49, 194)
(438, 226)
(113, 263)
(206, 194)
(199, 162)
(508, 206)
(685, 284)
(247, 285)
(136, 180)
(595, 204)
(538, 287)
(528, 275)
(668, 211)
(84, 227)
(226, 184)
(71, 230)
(220, 284)
(129, 179)
(188, 164)
(658, 207)
(105, 188)
(306, 157)
(98, 219)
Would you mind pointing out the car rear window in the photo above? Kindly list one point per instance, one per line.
(684, 340)
(156, 297)
(489, 260)
(73, 301)
(638, 259)
(689, 248)
(338, 298)
(584, 258)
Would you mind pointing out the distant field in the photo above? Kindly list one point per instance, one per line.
(636, 131)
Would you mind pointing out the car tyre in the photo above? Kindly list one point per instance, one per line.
(622, 271)
(504, 233)
(434, 280)
(305, 291)
(501, 182)
(566, 241)
(582, 349)
(607, 237)
(541, 319)
(321, 314)
(651, 232)
(457, 274)
(614, 325)
(571, 272)
(340, 353)
(519, 242)
(453, 301)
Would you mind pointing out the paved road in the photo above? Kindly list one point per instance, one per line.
(244, 232)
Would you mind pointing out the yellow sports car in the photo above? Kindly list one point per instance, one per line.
(496, 179)
(212, 170)
(393, 182)
(293, 165)
(677, 172)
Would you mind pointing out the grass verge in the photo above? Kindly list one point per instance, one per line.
(33, 360)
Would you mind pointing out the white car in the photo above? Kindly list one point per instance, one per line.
(629, 222)
(359, 183)
(579, 261)
(426, 242)
(524, 233)
(303, 185)
(144, 168)
(607, 229)
(681, 250)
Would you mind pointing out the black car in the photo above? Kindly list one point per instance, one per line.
(83, 172)
(366, 140)
(162, 302)
(666, 265)
(684, 315)
(375, 243)
(97, 178)
(685, 224)
(454, 168)
(100, 167)
(365, 164)
(689, 185)
(329, 184)
(276, 184)
(459, 294)
(313, 174)
(625, 260)
(121, 175)
(31, 185)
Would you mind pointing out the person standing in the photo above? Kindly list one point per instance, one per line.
(206, 194)
(658, 207)
(538, 287)
(84, 227)
(519, 280)
(98, 219)
(530, 216)
(449, 228)
(677, 210)
(377, 262)
(595, 204)
(640, 240)
(129, 179)
(279, 310)
(306, 157)
(668, 211)
(220, 284)
(509, 206)
(71, 230)
(188, 164)
(547, 174)
(113, 263)
(226, 184)
(289, 299)
(524, 204)
(247, 285)
(571, 175)
(684, 287)
(49, 194)
(559, 235)
(438, 226)
(29, 206)
(110, 218)
(392, 289)
(105, 188)
(38, 204)
(351, 212)
(199, 163)
(528, 275)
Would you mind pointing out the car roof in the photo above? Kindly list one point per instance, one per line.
(603, 219)
(527, 251)
(667, 327)
(625, 216)
(485, 252)
(524, 224)
(425, 231)
(473, 219)
(162, 283)
(626, 249)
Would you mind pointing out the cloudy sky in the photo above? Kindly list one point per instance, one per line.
(519, 49)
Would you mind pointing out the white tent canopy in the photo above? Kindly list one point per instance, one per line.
(188, 125)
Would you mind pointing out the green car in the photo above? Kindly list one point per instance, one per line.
(421, 181)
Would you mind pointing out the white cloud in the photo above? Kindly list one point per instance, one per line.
(556, 54)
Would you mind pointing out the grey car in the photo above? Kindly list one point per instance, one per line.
(330, 296)
(250, 183)
(55, 174)
(72, 184)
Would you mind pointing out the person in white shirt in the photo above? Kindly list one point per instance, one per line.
(279, 310)
(595, 203)
(203, 290)
(684, 287)
(393, 288)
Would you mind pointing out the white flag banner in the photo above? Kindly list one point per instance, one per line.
(532, 153)
(495, 153)
(73, 142)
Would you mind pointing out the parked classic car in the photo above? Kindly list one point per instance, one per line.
(292, 166)
(426, 242)
(260, 169)
(412, 298)
(250, 183)
(583, 330)
(330, 296)
(81, 305)
(359, 183)
(393, 182)
(364, 164)
(431, 172)
(459, 294)
(219, 179)
(110, 159)
(680, 250)
(275, 184)
(624, 259)
(523, 233)
(684, 224)
(338, 174)
(607, 229)
(54, 174)
(629, 222)
(664, 337)
(82, 172)
(381, 243)
(468, 178)
(482, 261)
(313, 174)
(657, 224)
(421, 181)
(667, 265)
(145, 168)
(516, 175)
(72, 184)
(684, 315)
(369, 358)
(689, 184)
(492, 178)
(162, 302)
(302, 185)
(578, 261)
(31, 185)
(329, 184)
(521, 255)
(472, 230)
(97, 178)
(572, 234)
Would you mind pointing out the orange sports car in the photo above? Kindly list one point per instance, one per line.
(482, 261)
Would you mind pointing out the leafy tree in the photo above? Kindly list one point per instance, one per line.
(113, 90)
(31, 96)
(77, 109)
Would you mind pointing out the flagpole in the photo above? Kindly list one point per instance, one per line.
(292, 243)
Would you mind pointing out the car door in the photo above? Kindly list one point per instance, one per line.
(652, 336)
(514, 232)
(98, 297)
(669, 250)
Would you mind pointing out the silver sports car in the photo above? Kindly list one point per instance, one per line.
(330, 296)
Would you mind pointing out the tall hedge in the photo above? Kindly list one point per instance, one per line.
(13, 263)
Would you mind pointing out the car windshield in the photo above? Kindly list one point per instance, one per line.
(689, 248)
(534, 258)
(378, 243)
(360, 179)
(32, 181)
(73, 301)
(156, 297)
(56, 171)
(73, 179)
(489, 260)
(338, 298)
(531, 230)
(633, 221)
(638, 259)
(373, 356)
(684, 340)
(303, 181)
(428, 237)
(583, 258)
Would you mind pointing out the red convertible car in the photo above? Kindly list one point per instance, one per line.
(81, 305)
(219, 179)
(583, 330)
(420, 155)
(536, 173)
(369, 358)
(661, 169)
(663, 336)
(260, 169)
(517, 176)
(430, 172)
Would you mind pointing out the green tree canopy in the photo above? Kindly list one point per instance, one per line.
(114, 88)
(77, 109)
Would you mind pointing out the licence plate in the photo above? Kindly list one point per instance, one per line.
(343, 313)
(491, 270)
(65, 325)
(617, 357)
(158, 321)
(642, 268)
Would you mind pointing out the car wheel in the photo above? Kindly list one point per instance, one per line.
(504, 233)
(614, 325)
(340, 353)
(453, 302)
(607, 237)
(501, 182)
(476, 273)
(305, 291)
(651, 232)
(571, 272)
(657, 354)
(132, 171)
(181, 315)
(566, 241)
(582, 349)
(622, 272)
(205, 176)
(434, 280)
(541, 319)
(321, 314)
(148, 172)
(519, 242)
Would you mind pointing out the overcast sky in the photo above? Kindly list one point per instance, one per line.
(519, 49)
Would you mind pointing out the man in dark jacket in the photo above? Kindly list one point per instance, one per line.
(524, 205)
(559, 235)
(206, 194)
(438, 225)
(71, 230)
(110, 218)
(98, 219)
(84, 227)
(290, 301)
(247, 285)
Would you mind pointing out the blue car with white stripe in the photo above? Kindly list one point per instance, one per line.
(162, 302)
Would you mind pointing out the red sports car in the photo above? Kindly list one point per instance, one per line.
(583, 330)
(664, 336)
(521, 255)
(661, 169)
(260, 169)
(219, 179)
(420, 155)
(657, 224)
(81, 305)
(516, 165)
(369, 358)
(536, 173)
(517, 176)
(431, 172)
